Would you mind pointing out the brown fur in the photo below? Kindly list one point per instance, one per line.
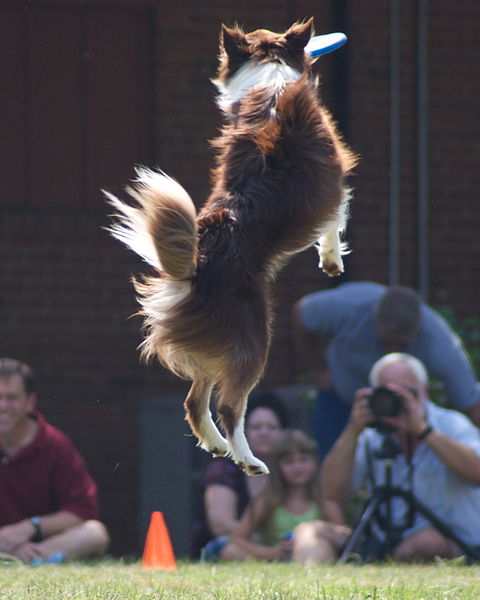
(279, 177)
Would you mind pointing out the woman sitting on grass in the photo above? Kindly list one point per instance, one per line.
(283, 521)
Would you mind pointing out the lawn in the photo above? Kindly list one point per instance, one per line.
(110, 580)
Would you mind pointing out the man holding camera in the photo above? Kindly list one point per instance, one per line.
(341, 332)
(438, 461)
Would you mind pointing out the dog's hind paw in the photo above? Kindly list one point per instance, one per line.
(217, 447)
(218, 452)
(255, 467)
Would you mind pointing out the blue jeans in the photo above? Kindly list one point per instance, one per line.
(329, 417)
(212, 550)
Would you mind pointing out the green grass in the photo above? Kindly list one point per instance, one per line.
(110, 580)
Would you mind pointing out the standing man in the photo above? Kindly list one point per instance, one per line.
(48, 501)
(341, 332)
(438, 460)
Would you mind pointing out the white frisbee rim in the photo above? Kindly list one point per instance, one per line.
(323, 44)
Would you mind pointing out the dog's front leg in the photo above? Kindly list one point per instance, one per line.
(329, 251)
(329, 246)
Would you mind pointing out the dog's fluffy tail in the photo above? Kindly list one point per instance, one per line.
(162, 230)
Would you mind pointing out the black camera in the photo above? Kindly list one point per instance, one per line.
(385, 403)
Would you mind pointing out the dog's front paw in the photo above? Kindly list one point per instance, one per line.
(330, 252)
(332, 269)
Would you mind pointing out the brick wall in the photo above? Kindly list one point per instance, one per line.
(454, 81)
(453, 86)
(70, 127)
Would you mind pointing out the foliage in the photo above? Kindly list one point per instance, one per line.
(111, 580)
(468, 330)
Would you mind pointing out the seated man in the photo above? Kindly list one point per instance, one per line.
(438, 460)
(48, 501)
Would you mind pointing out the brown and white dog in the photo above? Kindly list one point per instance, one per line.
(278, 188)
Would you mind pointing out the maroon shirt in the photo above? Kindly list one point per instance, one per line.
(46, 476)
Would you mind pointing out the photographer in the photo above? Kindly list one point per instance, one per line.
(341, 332)
(438, 460)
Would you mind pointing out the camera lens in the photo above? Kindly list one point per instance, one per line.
(385, 403)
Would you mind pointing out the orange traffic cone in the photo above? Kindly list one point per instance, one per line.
(158, 551)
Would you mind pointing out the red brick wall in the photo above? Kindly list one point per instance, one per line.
(454, 80)
(453, 128)
(71, 125)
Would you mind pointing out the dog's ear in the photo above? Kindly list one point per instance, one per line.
(233, 42)
(299, 34)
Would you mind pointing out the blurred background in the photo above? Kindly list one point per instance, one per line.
(90, 88)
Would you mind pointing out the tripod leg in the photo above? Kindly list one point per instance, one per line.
(368, 513)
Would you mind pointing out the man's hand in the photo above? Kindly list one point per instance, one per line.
(361, 416)
(29, 551)
(337, 466)
(12, 536)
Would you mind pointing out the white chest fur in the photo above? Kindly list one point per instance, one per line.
(272, 75)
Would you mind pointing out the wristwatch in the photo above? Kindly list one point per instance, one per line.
(426, 431)
(37, 536)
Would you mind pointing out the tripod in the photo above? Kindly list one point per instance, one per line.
(383, 495)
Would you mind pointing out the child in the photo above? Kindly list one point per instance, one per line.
(227, 489)
(283, 521)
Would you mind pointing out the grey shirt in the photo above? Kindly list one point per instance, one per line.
(346, 314)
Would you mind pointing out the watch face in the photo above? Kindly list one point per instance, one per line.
(35, 521)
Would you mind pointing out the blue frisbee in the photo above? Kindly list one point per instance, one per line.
(323, 44)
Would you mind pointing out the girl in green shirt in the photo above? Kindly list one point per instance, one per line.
(273, 527)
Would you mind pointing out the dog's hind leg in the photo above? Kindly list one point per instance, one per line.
(199, 417)
(231, 406)
(241, 453)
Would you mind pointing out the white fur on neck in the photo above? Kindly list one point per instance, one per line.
(271, 74)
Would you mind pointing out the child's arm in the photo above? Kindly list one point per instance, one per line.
(241, 545)
(249, 549)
